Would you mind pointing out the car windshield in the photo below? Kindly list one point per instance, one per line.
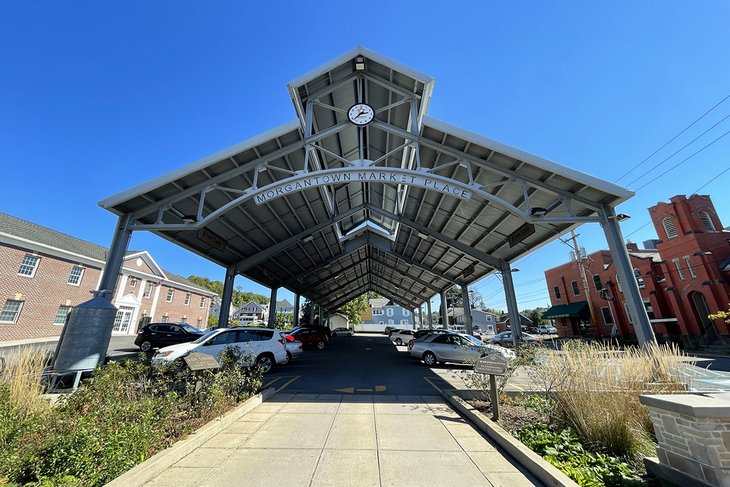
(190, 328)
(474, 340)
(205, 336)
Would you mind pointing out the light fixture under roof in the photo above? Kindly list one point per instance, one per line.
(189, 219)
(359, 63)
(422, 235)
(538, 211)
(308, 238)
(622, 216)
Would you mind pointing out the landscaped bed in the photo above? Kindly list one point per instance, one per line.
(588, 422)
(125, 413)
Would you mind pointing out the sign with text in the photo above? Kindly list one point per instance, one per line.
(201, 361)
(211, 238)
(493, 364)
(520, 234)
(386, 175)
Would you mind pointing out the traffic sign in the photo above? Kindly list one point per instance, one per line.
(492, 364)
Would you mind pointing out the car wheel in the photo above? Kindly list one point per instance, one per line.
(429, 359)
(145, 346)
(264, 362)
(287, 359)
(398, 341)
(320, 345)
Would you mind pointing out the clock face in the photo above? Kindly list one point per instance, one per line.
(361, 114)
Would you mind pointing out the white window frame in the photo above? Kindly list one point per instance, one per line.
(58, 312)
(690, 267)
(610, 313)
(669, 229)
(199, 322)
(406, 312)
(649, 308)
(79, 277)
(202, 302)
(403, 322)
(17, 312)
(166, 318)
(391, 322)
(186, 301)
(639, 279)
(628, 313)
(389, 311)
(170, 295)
(184, 319)
(133, 282)
(33, 267)
(575, 287)
(148, 290)
(377, 311)
(678, 266)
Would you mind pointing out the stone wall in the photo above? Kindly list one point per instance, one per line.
(693, 432)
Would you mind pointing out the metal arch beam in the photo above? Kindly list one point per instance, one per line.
(344, 269)
(486, 258)
(417, 265)
(196, 188)
(260, 257)
(322, 265)
(504, 172)
(408, 276)
(398, 285)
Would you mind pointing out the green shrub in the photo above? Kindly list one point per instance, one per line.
(124, 414)
(564, 451)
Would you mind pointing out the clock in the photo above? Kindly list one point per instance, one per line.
(361, 114)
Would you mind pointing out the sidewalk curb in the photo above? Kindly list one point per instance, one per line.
(161, 461)
(531, 461)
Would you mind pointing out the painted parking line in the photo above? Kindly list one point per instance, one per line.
(268, 384)
(438, 383)
(286, 384)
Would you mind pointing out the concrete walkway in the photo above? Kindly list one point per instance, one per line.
(347, 440)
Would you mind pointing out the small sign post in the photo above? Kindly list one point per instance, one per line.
(494, 365)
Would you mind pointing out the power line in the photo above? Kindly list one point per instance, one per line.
(682, 161)
(678, 151)
(711, 180)
(672, 139)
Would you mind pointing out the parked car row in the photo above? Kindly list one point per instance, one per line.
(262, 347)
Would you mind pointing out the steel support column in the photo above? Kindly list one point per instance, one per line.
(444, 311)
(430, 316)
(513, 311)
(120, 241)
(467, 309)
(625, 273)
(225, 310)
(319, 313)
(272, 307)
(295, 318)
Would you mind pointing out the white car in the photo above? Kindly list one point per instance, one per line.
(263, 347)
(401, 337)
(453, 347)
(294, 347)
(345, 332)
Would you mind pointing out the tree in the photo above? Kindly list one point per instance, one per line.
(353, 309)
(535, 315)
(283, 320)
(454, 297)
(721, 315)
(239, 297)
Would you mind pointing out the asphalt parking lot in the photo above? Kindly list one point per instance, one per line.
(361, 364)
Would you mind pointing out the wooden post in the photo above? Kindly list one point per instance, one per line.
(494, 396)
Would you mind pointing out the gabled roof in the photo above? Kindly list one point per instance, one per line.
(283, 304)
(378, 302)
(34, 233)
(478, 204)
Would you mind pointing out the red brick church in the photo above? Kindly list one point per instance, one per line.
(683, 275)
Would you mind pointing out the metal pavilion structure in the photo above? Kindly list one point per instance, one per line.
(404, 205)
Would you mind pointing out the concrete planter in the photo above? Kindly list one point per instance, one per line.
(156, 464)
(531, 461)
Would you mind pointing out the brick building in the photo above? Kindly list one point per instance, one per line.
(683, 276)
(43, 273)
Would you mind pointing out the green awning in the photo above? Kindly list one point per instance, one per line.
(570, 310)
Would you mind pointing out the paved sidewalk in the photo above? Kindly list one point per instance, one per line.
(347, 440)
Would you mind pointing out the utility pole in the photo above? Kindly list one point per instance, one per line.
(580, 258)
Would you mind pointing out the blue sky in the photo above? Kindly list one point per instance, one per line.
(96, 97)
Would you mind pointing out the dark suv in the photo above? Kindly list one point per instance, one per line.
(158, 335)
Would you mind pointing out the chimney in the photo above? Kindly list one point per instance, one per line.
(631, 246)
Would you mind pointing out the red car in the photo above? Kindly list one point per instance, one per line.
(311, 337)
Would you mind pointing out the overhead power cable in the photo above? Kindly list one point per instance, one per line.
(678, 151)
(636, 166)
(711, 180)
(682, 161)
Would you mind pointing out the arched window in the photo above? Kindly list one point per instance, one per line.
(669, 228)
(707, 221)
